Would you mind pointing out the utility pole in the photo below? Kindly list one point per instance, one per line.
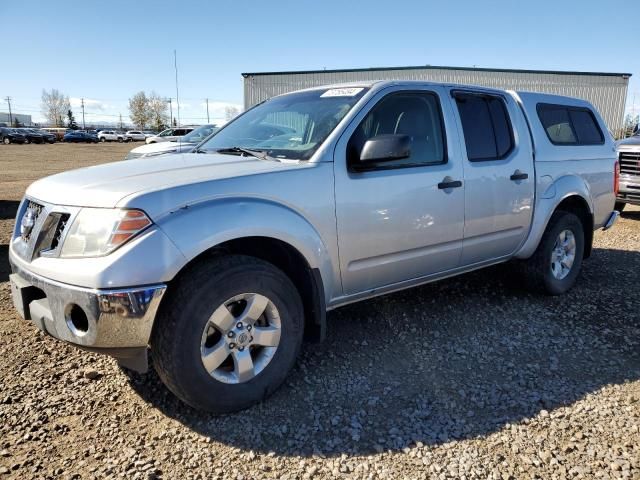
(170, 112)
(82, 104)
(207, 110)
(8, 100)
(175, 64)
(120, 121)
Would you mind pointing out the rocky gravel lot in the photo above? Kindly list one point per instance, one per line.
(472, 377)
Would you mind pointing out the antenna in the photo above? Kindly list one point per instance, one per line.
(175, 64)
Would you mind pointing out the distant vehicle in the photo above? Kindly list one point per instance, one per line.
(110, 136)
(149, 133)
(31, 135)
(170, 134)
(11, 135)
(135, 136)
(75, 136)
(59, 132)
(182, 144)
(47, 136)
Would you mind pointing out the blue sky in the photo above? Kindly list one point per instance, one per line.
(107, 51)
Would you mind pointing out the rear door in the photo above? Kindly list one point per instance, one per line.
(399, 220)
(498, 174)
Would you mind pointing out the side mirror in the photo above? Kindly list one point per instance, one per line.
(384, 148)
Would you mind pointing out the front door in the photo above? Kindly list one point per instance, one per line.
(402, 219)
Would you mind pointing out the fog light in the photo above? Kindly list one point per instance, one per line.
(76, 320)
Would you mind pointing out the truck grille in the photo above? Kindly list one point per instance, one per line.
(29, 220)
(630, 163)
(41, 230)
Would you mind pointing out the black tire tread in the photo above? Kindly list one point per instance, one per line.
(163, 339)
(537, 266)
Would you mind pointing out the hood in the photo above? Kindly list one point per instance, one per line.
(629, 142)
(163, 147)
(105, 185)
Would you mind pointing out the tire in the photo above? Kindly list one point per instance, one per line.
(178, 338)
(27, 141)
(6, 140)
(619, 206)
(540, 268)
(120, 140)
(103, 139)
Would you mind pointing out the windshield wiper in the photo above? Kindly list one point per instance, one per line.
(260, 154)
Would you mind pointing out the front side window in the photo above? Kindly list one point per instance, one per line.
(486, 126)
(416, 114)
(566, 125)
(290, 126)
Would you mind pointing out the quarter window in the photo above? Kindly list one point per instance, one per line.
(416, 114)
(567, 125)
(485, 123)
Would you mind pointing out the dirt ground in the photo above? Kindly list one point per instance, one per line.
(472, 377)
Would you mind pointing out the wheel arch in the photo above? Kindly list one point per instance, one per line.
(569, 193)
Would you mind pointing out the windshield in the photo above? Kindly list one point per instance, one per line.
(199, 134)
(291, 126)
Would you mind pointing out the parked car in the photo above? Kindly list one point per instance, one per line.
(149, 133)
(46, 136)
(169, 134)
(135, 136)
(219, 261)
(59, 132)
(76, 136)
(32, 136)
(182, 144)
(11, 135)
(629, 158)
(110, 136)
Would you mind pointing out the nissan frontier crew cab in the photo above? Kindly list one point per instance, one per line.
(220, 261)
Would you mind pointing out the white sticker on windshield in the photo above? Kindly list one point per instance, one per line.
(342, 92)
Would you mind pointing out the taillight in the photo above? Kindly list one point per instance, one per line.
(616, 178)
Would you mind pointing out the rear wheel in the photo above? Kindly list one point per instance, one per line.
(27, 141)
(228, 334)
(6, 140)
(103, 139)
(619, 206)
(556, 263)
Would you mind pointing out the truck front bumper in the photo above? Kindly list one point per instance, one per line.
(117, 322)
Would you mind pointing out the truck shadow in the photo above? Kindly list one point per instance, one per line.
(8, 209)
(458, 359)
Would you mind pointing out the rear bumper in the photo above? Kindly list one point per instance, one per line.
(117, 322)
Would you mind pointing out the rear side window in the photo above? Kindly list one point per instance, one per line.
(567, 125)
(485, 122)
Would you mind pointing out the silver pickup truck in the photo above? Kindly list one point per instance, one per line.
(220, 261)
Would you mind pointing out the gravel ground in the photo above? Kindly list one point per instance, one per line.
(467, 378)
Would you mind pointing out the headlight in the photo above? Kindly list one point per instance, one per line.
(99, 231)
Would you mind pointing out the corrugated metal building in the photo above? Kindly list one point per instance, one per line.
(23, 119)
(607, 91)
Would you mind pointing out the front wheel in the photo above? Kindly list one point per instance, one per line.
(6, 140)
(103, 139)
(619, 206)
(228, 334)
(556, 263)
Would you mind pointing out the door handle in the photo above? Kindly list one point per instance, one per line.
(518, 175)
(448, 182)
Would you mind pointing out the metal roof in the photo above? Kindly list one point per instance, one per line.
(436, 67)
